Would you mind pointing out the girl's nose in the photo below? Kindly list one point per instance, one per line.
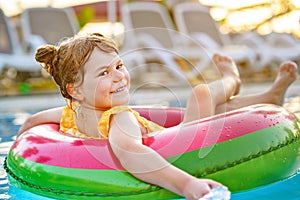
(118, 75)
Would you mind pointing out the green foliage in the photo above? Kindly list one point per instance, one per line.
(86, 15)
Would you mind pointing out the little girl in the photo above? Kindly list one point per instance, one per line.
(95, 83)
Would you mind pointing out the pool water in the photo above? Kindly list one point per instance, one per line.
(10, 123)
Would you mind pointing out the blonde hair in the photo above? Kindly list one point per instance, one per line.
(64, 61)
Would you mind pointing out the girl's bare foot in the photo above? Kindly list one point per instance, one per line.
(228, 68)
(287, 74)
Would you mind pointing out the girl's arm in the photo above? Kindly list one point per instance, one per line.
(52, 115)
(147, 165)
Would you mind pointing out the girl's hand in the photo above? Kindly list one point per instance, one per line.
(198, 188)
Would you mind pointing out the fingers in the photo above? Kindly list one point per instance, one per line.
(197, 189)
(214, 184)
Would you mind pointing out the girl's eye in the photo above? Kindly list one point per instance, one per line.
(120, 66)
(103, 73)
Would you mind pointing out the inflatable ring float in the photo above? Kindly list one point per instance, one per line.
(243, 149)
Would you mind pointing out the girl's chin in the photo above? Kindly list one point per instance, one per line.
(120, 102)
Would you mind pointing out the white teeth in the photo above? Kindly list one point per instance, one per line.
(119, 89)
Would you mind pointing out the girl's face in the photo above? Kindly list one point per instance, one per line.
(106, 81)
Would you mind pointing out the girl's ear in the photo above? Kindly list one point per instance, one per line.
(75, 92)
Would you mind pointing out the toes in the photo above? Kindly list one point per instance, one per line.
(216, 57)
(288, 66)
(287, 72)
(227, 59)
(221, 58)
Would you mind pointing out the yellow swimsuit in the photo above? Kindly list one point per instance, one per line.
(68, 124)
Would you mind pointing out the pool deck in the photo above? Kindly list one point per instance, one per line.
(159, 96)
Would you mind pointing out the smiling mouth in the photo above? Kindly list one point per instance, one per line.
(119, 89)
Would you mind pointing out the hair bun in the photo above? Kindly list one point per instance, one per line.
(46, 56)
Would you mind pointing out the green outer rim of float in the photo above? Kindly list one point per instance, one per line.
(262, 164)
(258, 164)
(81, 183)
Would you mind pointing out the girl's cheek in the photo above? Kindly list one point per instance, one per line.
(103, 87)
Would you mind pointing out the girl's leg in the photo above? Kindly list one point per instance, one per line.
(275, 95)
(205, 97)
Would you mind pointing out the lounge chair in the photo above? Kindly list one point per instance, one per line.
(195, 20)
(273, 48)
(47, 25)
(12, 55)
(283, 46)
(150, 31)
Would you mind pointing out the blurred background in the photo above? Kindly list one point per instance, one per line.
(264, 16)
